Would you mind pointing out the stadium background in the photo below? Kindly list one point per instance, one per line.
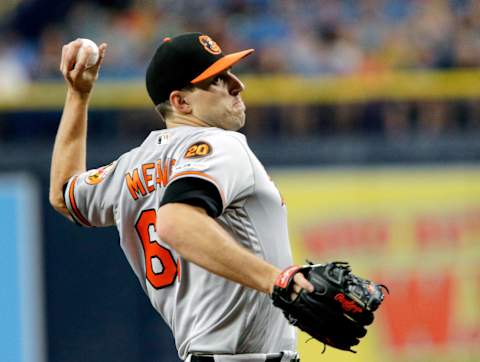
(366, 114)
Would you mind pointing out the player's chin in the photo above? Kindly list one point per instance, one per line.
(237, 121)
(233, 119)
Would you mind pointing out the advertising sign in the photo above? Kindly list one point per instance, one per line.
(417, 230)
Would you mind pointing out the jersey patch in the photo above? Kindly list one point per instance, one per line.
(199, 149)
(96, 176)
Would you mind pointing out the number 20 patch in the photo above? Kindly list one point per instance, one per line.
(199, 149)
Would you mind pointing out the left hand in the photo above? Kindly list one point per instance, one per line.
(300, 283)
(338, 310)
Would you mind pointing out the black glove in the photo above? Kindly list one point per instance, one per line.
(339, 308)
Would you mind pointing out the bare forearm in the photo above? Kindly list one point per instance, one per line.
(69, 151)
(201, 240)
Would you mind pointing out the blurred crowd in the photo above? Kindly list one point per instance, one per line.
(302, 36)
(306, 37)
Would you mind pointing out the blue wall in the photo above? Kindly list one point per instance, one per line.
(22, 331)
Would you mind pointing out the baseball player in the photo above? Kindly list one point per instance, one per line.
(200, 222)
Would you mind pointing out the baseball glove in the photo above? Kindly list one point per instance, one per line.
(339, 308)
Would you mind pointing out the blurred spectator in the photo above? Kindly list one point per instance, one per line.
(48, 61)
(305, 36)
(13, 67)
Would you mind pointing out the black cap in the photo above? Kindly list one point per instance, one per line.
(185, 60)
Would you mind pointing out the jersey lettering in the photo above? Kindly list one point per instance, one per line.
(147, 177)
(154, 251)
(163, 174)
(151, 176)
(134, 184)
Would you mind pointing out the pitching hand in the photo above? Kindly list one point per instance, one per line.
(79, 78)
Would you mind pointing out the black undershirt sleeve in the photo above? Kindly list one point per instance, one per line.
(196, 192)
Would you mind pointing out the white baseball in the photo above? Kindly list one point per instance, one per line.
(88, 45)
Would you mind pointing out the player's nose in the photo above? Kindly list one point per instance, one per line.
(235, 85)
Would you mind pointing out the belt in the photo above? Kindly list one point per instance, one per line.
(211, 359)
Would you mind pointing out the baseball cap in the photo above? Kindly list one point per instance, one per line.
(184, 60)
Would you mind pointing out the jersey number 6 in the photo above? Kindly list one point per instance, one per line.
(153, 250)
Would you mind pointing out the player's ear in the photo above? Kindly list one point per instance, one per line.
(179, 102)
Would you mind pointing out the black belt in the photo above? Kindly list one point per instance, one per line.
(211, 359)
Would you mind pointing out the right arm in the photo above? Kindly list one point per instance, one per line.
(69, 151)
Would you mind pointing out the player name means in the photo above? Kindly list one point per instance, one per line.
(145, 179)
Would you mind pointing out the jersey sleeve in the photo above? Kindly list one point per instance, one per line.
(221, 159)
(90, 197)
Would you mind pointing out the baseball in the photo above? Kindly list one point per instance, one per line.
(93, 55)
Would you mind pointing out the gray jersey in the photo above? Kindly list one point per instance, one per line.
(205, 312)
